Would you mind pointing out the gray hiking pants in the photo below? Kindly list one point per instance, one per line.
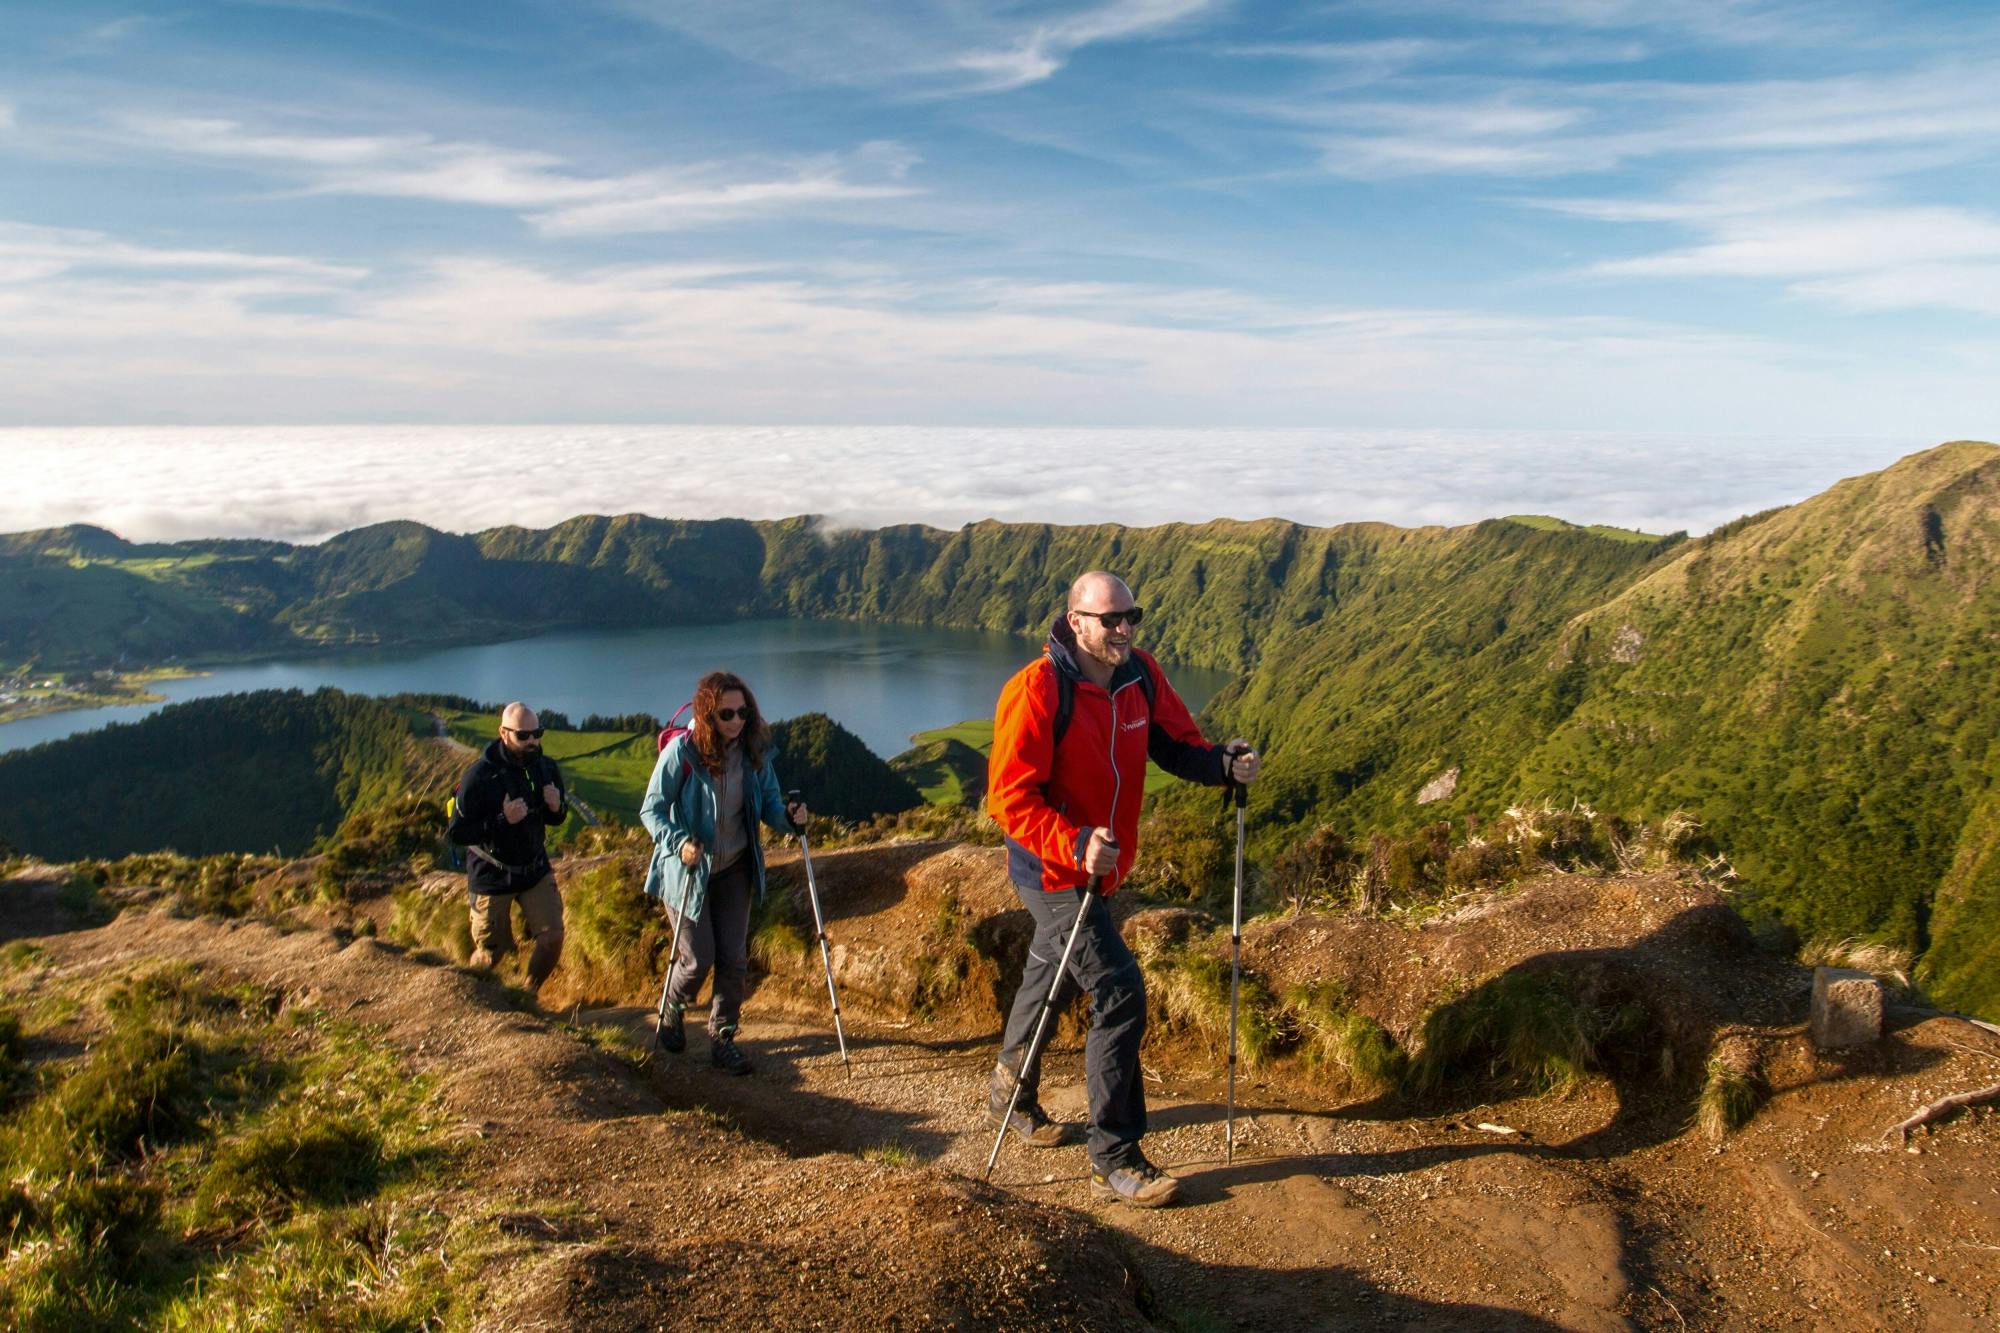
(719, 938)
(1104, 967)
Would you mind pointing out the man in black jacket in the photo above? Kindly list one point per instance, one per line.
(506, 802)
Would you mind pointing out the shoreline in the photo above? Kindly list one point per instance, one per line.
(129, 687)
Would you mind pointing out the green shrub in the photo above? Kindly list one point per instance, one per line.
(379, 846)
(290, 1160)
(1184, 855)
(615, 937)
(1318, 871)
(432, 921)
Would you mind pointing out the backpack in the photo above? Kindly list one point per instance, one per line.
(674, 725)
(1066, 698)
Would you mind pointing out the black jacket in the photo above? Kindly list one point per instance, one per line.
(477, 819)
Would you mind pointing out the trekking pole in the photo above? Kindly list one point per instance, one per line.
(819, 932)
(1042, 1021)
(1240, 795)
(673, 957)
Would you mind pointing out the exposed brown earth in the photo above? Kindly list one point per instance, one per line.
(679, 1196)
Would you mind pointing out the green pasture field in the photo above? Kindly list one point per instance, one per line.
(609, 770)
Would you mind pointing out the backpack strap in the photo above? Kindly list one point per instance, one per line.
(1066, 697)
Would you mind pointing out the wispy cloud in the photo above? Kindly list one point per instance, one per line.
(550, 192)
(31, 252)
(935, 48)
(1043, 50)
(764, 342)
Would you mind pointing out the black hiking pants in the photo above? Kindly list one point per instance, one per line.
(1106, 969)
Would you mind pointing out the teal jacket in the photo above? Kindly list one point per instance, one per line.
(680, 804)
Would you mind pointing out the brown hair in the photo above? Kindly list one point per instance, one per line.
(708, 742)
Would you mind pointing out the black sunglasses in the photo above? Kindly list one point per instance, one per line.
(534, 735)
(1113, 619)
(731, 714)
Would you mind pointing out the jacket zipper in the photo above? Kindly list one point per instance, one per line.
(1117, 782)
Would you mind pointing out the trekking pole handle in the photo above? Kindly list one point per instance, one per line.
(792, 798)
(1236, 789)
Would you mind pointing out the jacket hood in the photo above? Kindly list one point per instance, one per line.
(1062, 651)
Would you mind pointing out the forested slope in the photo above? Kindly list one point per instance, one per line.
(269, 771)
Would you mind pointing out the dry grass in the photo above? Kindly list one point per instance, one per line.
(1732, 1091)
(1889, 963)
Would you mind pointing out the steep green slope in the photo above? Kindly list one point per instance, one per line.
(1814, 684)
(259, 772)
(835, 771)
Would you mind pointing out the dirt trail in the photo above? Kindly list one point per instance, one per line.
(815, 1196)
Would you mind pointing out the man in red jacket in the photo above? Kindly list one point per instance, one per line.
(1065, 781)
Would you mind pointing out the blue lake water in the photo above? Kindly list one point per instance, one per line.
(883, 682)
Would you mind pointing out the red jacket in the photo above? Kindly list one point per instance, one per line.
(1048, 797)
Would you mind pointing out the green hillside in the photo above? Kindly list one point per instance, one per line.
(1815, 685)
(269, 771)
(837, 774)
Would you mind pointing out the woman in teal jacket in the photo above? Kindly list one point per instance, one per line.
(710, 788)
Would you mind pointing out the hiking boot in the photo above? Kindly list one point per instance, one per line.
(673, 1032)
(1031, 1125)
(722, 1053)
(1142, 1185)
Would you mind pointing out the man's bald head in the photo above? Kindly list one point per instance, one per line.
(516, 719)
(1099, 591)
(1100, 648)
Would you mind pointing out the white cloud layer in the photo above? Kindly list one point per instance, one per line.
(305, 483)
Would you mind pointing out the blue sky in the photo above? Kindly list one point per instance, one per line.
(1716, 216)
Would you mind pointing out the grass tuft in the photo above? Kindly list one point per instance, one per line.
(1334, 1037)
(1731, 1093)
(288, 1161)
(1528, 1030)
(1188, 989)
(892, 1154)
(1891, 964)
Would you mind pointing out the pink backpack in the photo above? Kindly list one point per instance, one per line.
(675, 727)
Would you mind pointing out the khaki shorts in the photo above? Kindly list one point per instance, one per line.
(492, 916)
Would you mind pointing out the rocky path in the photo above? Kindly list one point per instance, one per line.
(1339, 1219)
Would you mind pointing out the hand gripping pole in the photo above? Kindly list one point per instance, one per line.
(819, 933)
(1083, 897)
